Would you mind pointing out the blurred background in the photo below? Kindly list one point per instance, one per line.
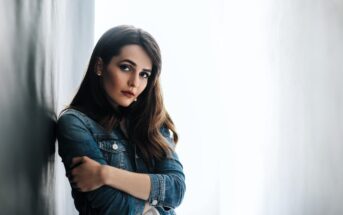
(255, 89)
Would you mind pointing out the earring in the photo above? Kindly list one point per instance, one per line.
(98, 72)
(135, 99)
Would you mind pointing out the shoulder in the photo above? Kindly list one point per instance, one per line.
(71, 120)
(70, 114)
(168, 135)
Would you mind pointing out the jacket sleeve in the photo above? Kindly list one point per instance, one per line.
(74, 139)
(168, 180)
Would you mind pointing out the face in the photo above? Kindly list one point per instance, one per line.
(126, 75)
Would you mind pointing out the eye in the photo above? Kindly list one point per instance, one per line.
(145, 75)
(125, 67)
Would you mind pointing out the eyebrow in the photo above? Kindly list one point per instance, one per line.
(134, 64)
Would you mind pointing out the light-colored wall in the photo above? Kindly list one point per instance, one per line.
(255, 90)
(45, 46)
(254, 87)
(283, 119)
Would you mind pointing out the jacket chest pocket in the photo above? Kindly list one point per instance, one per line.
(114, 151)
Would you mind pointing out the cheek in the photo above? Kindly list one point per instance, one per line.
(111, 83)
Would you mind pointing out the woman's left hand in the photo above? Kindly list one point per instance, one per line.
(85, 174)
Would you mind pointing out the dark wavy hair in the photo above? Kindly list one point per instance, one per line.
(145, 116)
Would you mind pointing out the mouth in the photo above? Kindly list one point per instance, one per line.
(128, 94)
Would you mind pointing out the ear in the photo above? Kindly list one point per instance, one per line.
(99, 66)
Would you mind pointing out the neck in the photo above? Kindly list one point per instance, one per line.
(123, 126)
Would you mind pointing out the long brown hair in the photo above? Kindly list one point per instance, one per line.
(145, 116)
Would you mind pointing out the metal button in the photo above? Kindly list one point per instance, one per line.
(154, 202)
(115, 146)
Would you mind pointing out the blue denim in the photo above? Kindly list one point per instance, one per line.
(79, 135)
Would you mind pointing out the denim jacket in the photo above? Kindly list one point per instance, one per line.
(79, 135)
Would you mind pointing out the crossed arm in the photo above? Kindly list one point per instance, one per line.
(111, 189)
(87, 175)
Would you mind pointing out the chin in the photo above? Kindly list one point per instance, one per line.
(125, 103)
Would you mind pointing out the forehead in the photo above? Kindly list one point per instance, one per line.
(136, 54)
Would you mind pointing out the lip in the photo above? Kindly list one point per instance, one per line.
(128, 93)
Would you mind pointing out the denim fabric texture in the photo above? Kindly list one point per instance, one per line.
(79, 135)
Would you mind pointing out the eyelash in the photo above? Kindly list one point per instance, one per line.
(147, 75)
(123, 66)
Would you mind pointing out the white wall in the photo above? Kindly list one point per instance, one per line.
(303, 173)
(255, 90)
(74, 41)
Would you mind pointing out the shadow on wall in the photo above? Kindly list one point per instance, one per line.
(30, 58)
(27, 101)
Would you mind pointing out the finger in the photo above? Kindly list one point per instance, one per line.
(76, 161)
(74, 185)
(75, 165)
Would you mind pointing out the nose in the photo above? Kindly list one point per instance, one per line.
(134, 80)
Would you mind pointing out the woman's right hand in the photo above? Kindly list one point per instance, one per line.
(86, 174)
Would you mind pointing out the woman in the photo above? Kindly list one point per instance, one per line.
(116, 139)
